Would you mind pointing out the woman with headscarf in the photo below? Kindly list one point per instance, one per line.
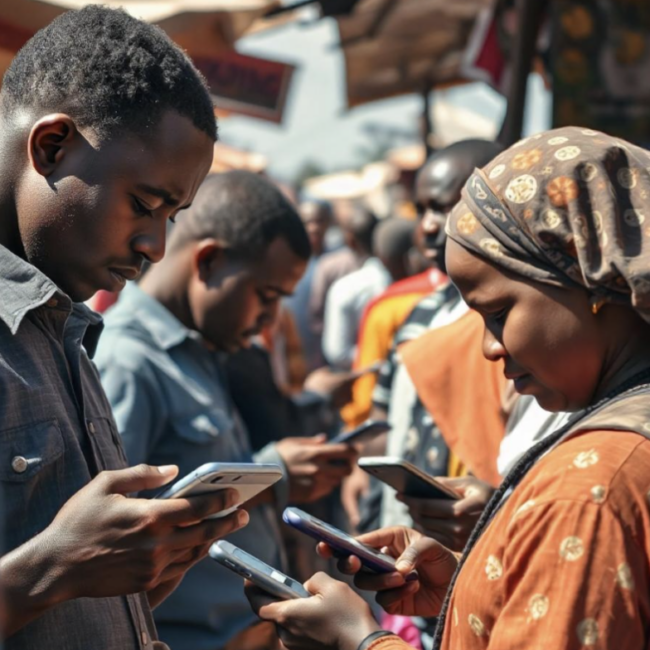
(551, 245)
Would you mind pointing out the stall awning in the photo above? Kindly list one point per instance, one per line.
(394, 47)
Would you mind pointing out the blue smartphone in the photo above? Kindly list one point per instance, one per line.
(369, 429)
(342, 544)
(264, 576)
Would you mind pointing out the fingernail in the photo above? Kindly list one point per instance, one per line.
(232, 498)
(394, 580)
(403, 566)
(242, 517)
(167, 470)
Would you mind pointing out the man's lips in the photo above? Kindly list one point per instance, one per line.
(127, 273)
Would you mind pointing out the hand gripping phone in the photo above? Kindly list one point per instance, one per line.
(258, 572)
(406, 478)
(341, 543)
(366, 431)
(249, 479)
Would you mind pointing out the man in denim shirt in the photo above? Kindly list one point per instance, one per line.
(238, 251)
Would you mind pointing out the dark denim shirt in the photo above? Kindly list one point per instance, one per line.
(172, 405)
(56, 433)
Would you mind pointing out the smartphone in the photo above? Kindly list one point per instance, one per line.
(369, 429)
(258, 572)
(342, 544)
(372, 368)
(405, 477)
(249, 479)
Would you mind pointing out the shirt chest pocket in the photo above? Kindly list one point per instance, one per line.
(208, 436)
(33, 482)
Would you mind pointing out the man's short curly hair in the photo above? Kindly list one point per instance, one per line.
(108, 71)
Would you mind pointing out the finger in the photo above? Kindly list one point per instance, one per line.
(137, 478)
(182, 562)
(185, 511)
(339, 451)
(395, 537)
(392, 600)
(207, 531)
(324, 550)
(440, 508)
(349, 565)
(258, 598)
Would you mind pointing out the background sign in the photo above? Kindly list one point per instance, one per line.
(601, 66)
(246, 84)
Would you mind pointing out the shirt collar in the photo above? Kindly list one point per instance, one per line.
(166, 330)
(23, 288)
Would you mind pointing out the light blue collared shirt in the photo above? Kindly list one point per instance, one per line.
(172, 406)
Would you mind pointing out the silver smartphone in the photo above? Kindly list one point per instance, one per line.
(249, 479)
(264, 576)
(405, 478)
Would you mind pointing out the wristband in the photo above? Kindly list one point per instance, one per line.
(368, 641)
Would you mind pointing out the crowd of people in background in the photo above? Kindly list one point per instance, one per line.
(502, 332)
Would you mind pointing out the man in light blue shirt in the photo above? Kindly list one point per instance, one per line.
(239, 249)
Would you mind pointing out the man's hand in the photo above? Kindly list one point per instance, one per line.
(335, 618)
(354, 487)
(103, 543)
(336, 386)
(315, 468)
(451, 522)
(435, 566)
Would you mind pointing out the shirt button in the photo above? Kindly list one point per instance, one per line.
(19, 464)
(91, 427)
(52, 302)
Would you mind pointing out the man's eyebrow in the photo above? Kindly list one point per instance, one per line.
(162, 194)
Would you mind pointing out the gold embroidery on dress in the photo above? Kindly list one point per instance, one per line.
(476, 624)
(586, 458)
(588, 631)
(624, 576)
(571, 549)
(493, 568)
(538, 606)
(598, 493)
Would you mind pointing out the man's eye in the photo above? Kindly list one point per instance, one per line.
(140, 208)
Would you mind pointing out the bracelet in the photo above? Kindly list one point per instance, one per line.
(368, 641)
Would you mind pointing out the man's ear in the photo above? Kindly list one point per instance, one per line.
(50, 139)
(209, 255)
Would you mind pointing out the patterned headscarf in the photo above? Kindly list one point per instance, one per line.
(569, 207)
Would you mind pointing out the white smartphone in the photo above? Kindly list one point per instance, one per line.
(405, 477)
(264, 576)
(249, 479)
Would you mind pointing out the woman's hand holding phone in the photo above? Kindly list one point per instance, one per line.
(334, 618)
(434, 563)
(450, 522)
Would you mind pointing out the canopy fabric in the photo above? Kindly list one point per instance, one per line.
(199, 26)
(394, 47)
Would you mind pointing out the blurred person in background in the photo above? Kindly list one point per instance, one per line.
(348, 298)
(356, 224)
(317, 218)
(437, 189)
(237, 252)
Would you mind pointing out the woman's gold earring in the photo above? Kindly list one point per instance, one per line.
(596, 305)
